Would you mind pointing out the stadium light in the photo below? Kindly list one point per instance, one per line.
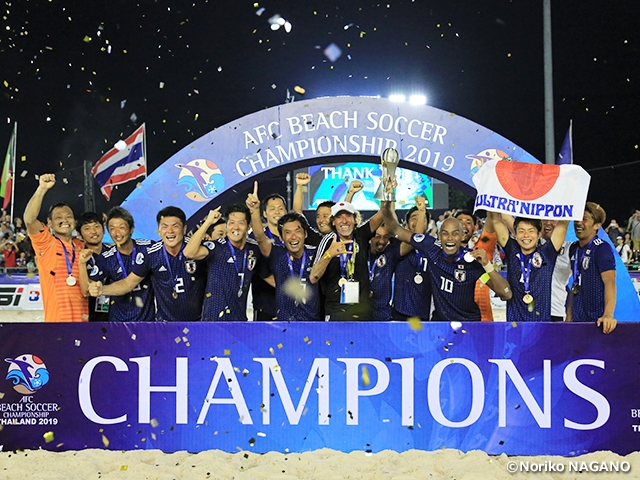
(397, 98)
(418, 100)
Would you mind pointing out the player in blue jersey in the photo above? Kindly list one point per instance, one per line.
(593, 294)
(290, 261)
(115, 263)
(412, 288)
(273, 207)
(453, 273)
(231, 263)
(91, 230)
(529, 265)
(384, 256)
(341, 264)
(178, 281)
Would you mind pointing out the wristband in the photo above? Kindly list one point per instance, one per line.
(485, 277)
(326, 255)
(488, 267)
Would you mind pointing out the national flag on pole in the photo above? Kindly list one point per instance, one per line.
(533, 190)
(565, 157)
(6, 182)
(126, 161)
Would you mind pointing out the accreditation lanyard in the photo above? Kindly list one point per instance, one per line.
(526, 270)
(347, 260)
(133, 256)
(457, 258)
(275, 240)
(235, 264)
(419, 267)
(66, 256)
(166, 257)
(303, 264)
(371, 266)
(577, 261)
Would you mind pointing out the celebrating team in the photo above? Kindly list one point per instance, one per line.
(345, 270)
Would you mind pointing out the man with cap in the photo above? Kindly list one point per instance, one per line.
(341, 264)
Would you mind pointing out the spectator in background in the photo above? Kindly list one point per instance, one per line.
(21, 262)
(613, 230)
(633, 227)
(624, 250)
(9, 251)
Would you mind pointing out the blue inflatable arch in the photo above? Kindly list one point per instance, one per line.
(211, 170)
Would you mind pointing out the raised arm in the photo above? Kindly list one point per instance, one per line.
(194, 249)
(391, 223)
(496, 224)
(354, 187)
(421, 224)
(559, 233)
(32, 210)
(253, 203)
(335, 249)
(302, 180)
(83, 258)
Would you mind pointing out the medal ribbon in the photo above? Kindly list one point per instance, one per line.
(133, 256)
(347, 260)
(577, 262)
(526, 270)
(235, 264)
(371, 266)
(166, 257)
(303, 264)
(66, 256)
(419, 268)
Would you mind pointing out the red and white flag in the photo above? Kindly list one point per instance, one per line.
(533, 190)
(123, 163)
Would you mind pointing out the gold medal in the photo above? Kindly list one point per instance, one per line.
(575, 288)
(418, 279)
(342, 281)
(174, 294)
(527, 298)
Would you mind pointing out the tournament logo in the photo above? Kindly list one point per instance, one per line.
(190, 265)
(202, 179)
(527, 181)
(460, 275)
(484, 156)
(209, 244)
(418, 237)
(140, 258)
(28, 373)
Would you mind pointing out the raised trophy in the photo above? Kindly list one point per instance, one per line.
(390, 159)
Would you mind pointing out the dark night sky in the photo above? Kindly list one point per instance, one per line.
(219, 60)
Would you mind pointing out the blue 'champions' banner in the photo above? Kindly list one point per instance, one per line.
(535, 388)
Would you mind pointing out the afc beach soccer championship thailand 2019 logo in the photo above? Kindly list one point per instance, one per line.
(28, 373)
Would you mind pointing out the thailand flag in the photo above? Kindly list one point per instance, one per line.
(124, 162)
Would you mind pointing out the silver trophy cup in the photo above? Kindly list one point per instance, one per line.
(390, 159)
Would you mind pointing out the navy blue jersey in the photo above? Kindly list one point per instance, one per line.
(313, 237)
(381, 268)
(540, 265)
(287, 272)
(180, 277)
(137, 306)
(332, 291)
(412, 299)
(594, 259)
(230, 273)
(453, 281)
(264, 295)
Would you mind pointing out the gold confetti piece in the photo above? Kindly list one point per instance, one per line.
(185, 330)
(299, 90)
(271, 351)
(327, 342)
(133, 337)
(227, 353)
(105, 441)
(124, 468)
(365, 376)
(86, 39)
(196, 117)
(154, 423)
(153, 435)
(48, 437)
(514, 324)
(177, 340)
(362, 34)
(414, 323)
(252, 442)
(1, 395)
(306, 339)
(279, 345)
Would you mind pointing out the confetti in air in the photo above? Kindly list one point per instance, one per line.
(333, 52)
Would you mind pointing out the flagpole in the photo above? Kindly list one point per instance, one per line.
(550, 149)
(14, 149)
(144, 148)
